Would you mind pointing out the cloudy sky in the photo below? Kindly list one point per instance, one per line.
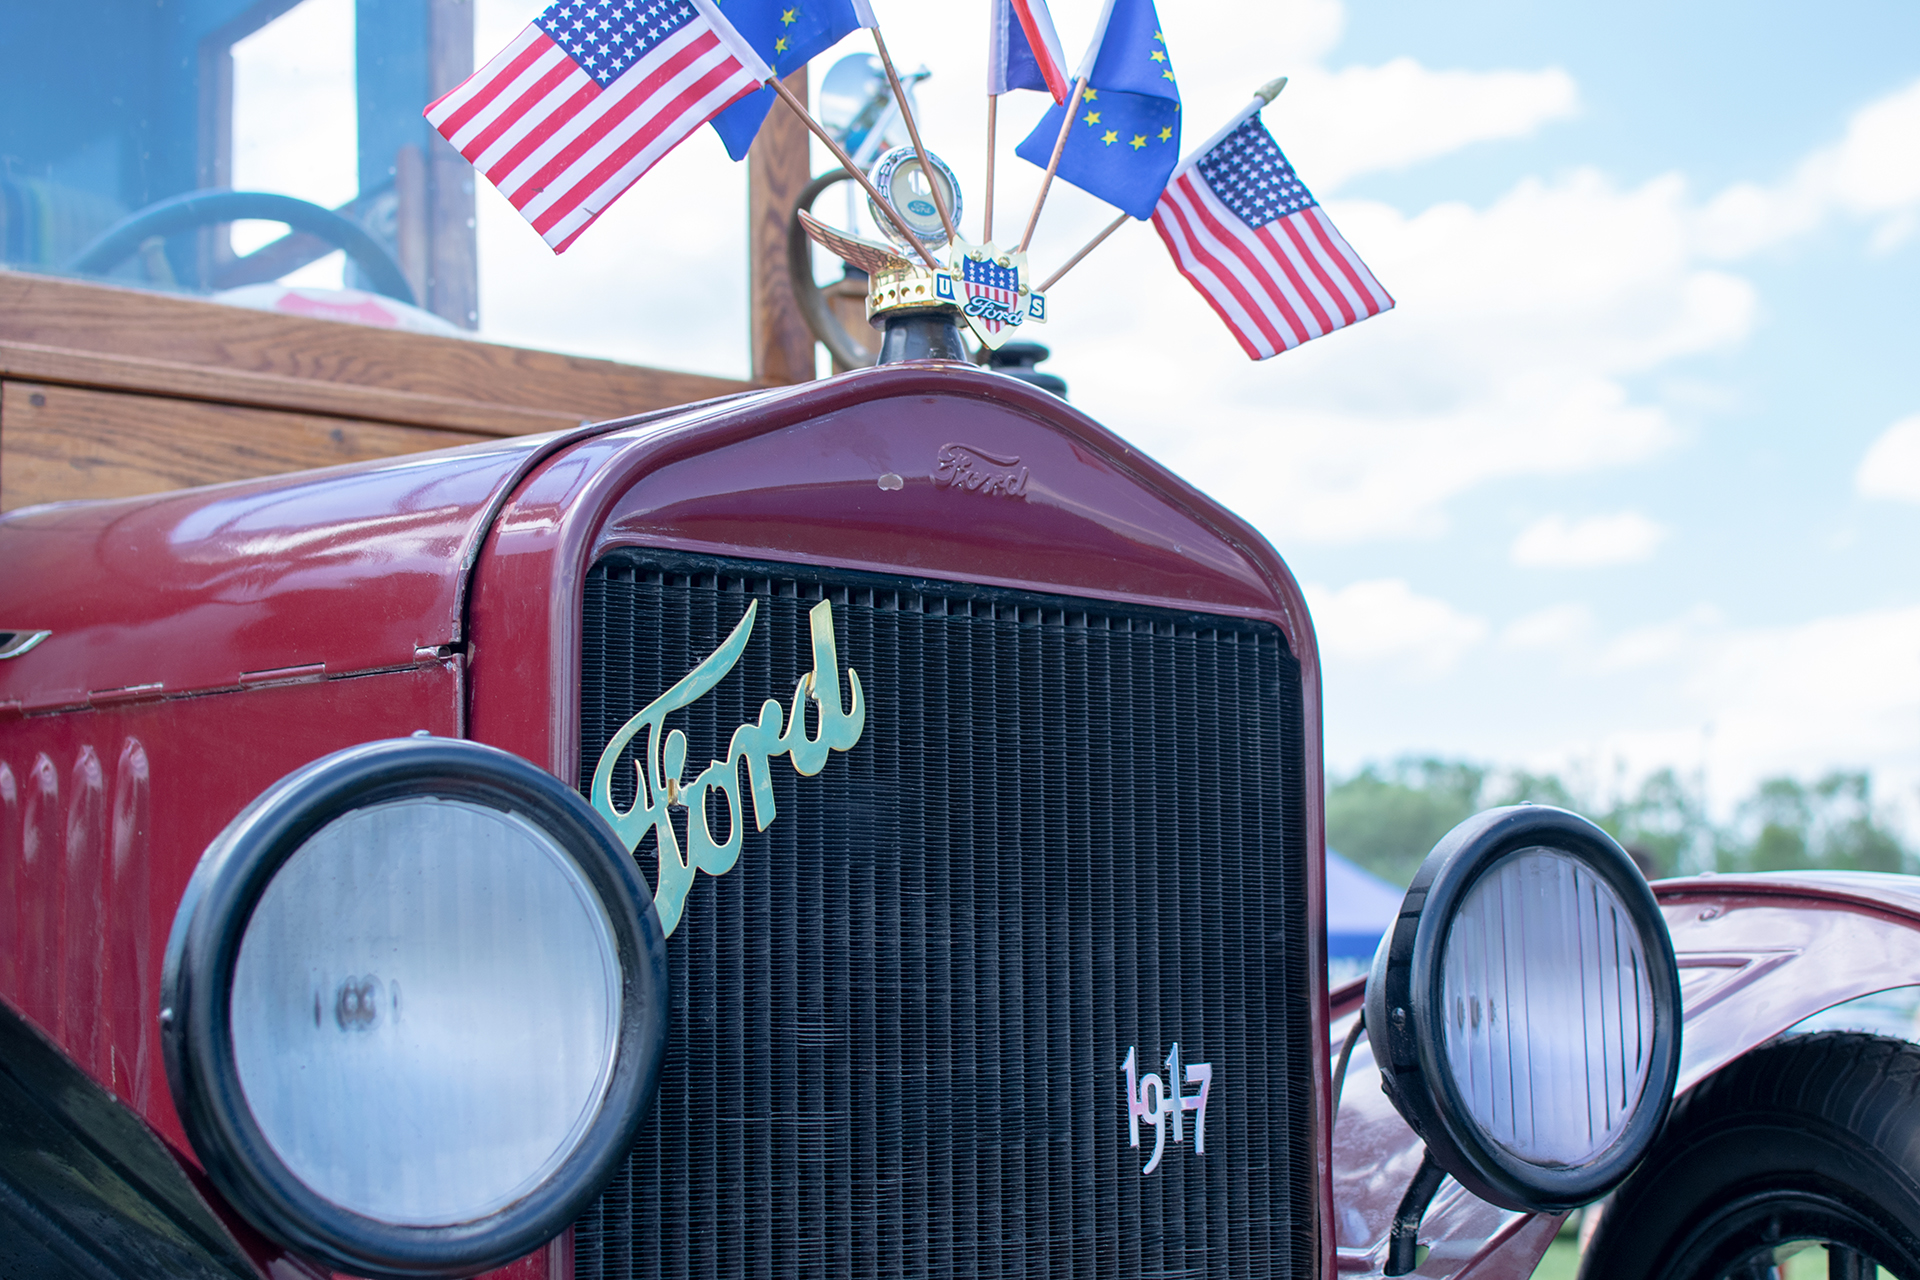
(1631, 476)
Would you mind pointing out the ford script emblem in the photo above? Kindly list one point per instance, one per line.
(662, 760)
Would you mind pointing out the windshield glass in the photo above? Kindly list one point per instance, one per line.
(272, 153)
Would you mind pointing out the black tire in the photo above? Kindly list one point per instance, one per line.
(1810, 1138)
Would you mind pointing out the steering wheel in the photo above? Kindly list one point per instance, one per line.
(812, 299)
(204, 208)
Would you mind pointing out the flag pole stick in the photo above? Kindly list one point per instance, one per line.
(913, 132)
(1053, 165)
(1266, 93)
(799, 108)
(1085, 249)
(993, 114)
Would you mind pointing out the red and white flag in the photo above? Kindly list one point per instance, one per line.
(1023, 50)
(1252, 239)
(589, 97)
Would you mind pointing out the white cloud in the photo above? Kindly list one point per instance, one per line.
(1873, 171)
(1370, 119)
(1517, 329)
(1695, 691)
(1521, 327)
(1661, 641)
(1333, 123)
(1558, 543)
(1891, 468)
(1559, 627)
(1303, 31)
(1877, 165)
(1386, 623)
(1750, 702)
(1803, 699)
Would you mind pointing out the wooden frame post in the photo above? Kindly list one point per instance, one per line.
(778, 166)
(452, 241)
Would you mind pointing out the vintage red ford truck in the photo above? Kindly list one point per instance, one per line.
(866, 827)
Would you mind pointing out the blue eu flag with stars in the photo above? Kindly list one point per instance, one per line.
(1125, 136)
(787, 33)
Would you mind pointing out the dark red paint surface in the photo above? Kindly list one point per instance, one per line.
(806, 476)
(392, 597)
(311, 579)
(343, 570)
(795, 476)
(103, 816)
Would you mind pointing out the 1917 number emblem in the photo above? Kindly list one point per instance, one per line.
(1163, 1105)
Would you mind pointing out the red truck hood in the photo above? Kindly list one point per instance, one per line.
(365, 567)
(348, 569)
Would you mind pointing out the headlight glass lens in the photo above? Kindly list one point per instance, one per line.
(424, 1010)
(1548, 1012)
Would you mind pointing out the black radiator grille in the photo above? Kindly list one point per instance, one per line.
(1068, 829)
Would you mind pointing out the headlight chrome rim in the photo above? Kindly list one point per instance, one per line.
(1406, 1009)
(203, 953)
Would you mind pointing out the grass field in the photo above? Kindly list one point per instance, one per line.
(1562, 1260)
(1563, 1263)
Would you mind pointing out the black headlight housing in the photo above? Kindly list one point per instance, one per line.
(349, 935)
(1524, 1009)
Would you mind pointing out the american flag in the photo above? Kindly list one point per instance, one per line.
(1259, 248)
(986, 278)
(588, 98)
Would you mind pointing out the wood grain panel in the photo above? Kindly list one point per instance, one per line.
(60, 442)
(41, 311)
(265, 391)
(778, 166)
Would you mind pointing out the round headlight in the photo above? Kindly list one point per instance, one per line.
(415, 1006)
(1525, 1009)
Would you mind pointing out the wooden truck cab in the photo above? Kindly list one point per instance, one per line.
(108, 391)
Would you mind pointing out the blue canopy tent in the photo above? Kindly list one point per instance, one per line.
(1360, 908)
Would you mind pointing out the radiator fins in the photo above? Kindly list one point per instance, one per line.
(1069, 829)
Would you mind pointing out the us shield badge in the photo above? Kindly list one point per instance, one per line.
(994, 292)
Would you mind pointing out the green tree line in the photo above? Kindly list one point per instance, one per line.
(1387, 817)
